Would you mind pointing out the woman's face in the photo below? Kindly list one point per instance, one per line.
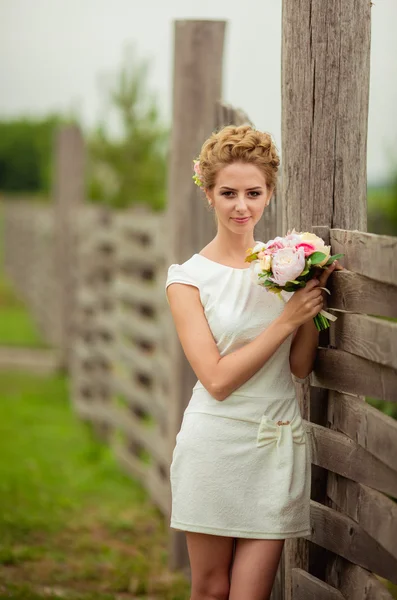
(239, 196)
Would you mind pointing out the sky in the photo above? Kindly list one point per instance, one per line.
(55, 55)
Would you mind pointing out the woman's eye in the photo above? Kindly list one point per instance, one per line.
(230, 194)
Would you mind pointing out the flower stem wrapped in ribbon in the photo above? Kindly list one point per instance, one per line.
(288, 263)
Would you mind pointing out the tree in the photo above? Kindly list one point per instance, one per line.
(26, 147)
(130, 167)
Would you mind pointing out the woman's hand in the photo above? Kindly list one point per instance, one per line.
(304, 305)
(324, 274)
(307, 302)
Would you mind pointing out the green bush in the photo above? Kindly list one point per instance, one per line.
(382, 207)
(26, 150)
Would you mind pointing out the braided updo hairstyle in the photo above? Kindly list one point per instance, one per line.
(238, 144)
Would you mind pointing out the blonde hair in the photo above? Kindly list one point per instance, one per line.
(238, 144)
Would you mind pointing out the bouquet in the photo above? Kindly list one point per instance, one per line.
(288, 263)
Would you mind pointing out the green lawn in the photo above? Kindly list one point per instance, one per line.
(16, 326)
(69, 518)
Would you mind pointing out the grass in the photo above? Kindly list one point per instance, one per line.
(69, 518)
(16, 326)
(71, 523)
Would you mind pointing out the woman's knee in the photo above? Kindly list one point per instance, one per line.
(214, 586)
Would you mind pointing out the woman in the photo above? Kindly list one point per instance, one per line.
(240, 474)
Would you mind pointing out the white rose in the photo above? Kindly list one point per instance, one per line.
(258, 247)
(266, 262)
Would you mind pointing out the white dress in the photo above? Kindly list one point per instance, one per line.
(235, 471)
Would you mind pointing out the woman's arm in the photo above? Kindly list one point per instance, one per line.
(303, 350)
(305, 343)
(222, 375)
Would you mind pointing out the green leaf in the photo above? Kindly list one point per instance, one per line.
(317, 257)
(268, 283)
(332, 258)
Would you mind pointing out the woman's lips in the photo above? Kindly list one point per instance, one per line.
(242, 220)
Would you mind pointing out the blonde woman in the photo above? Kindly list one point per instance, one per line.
(240, 473)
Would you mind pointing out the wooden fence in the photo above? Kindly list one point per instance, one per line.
(129, 375)
(29, 241)
(120, 361)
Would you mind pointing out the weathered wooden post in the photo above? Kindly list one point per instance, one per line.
(68, 198)
(325, 91)
(198, 55)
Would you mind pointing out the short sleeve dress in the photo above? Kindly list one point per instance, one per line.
(241, 467)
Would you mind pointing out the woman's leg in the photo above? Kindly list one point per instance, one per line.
(254, 568)
(210, 560)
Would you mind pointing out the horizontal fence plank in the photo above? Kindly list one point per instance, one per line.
(308, 587)
(354, 582)
(137, 326)
(137, 396)
(131, 252)
(147, 439)
(355, 293)
(105, 351)
(138, 223)
(340, 534)
(102, 242)
(136, 359)
(86, 297)
(105, 322)
(157, 488)
(373, 511)
(368, 337)
(336, 452)
(366, 425)
(345, 372)
(140, 293)
(368, 254)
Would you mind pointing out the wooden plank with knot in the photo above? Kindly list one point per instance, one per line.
(375, 512)
(340, 534)
(368, 254)
(336, 452)
(308, 587)
(344, 372)
(366, 425)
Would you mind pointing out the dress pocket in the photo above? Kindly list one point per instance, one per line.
(273, 432)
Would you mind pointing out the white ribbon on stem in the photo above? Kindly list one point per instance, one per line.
(323, 312)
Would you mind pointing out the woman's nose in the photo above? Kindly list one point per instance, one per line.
(241, 203)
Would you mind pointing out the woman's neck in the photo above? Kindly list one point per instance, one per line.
(230, 245)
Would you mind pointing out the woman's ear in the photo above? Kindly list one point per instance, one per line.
(269, 196)
(209, 197)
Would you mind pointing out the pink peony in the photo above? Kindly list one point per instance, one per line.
(307, 247)
(288, 264)
(291, 239)
(197, 168)
(273, 246)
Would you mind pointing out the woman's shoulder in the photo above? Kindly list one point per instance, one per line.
(185, 272)
(195, 271)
